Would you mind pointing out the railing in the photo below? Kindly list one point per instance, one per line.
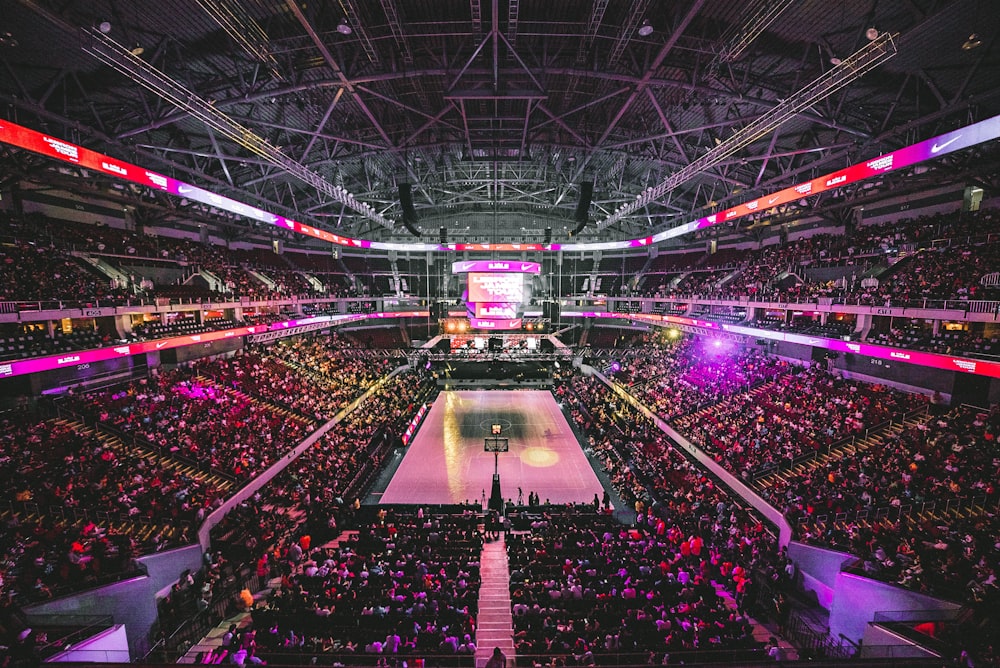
(983, 502)
(934, 615)
(705, 657)
(83, 627)
(172, 646)
(991, 280)
(34, 305)
(361, 660)
(812, 303)
(813, 644)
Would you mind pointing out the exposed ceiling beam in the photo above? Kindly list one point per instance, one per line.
(850, 69)
(122, 60)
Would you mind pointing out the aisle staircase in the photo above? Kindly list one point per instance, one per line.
(495, 627)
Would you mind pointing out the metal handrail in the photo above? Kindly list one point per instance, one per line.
(908, 511)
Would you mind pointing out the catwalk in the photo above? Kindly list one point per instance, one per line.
(445, 462)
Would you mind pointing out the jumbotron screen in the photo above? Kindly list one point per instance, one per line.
(496, 291)
(496, 287)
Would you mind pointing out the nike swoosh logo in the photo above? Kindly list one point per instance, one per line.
(160, 345)
(937, 148)
(183, 190)
(772, 200)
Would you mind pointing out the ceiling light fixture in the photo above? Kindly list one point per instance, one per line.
(974, 42)
(104, 27)
(137, 50)
(871, 34)
(343, 28)
(646, 29)
(834, 60)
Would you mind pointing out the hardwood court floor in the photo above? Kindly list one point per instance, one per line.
(445, 462)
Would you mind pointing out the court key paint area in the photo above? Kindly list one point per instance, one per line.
(445, 462)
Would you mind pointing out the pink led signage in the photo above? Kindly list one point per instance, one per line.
(933, 360)
(495, 323)
(506, 310)
(929, 149)
(502, 266)
(37, 364)
(411, 429)
(37, 142)
(495, 287)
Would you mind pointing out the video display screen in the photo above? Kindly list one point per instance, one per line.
(507, 310)
(496, 287)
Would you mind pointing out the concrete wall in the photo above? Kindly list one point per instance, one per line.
(165, 568)
(882, 643)
(130, 602)
(819, 568)
(108, 646)
(857, 599)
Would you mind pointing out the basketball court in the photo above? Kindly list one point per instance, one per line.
(446, 463)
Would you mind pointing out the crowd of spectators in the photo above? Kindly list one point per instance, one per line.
(949, 464)
(39, 243)
(582, 588)
(178, 414)
(946, 273)
(325, 378)
(799, 412)
(912, 270)
(689, 532)
(920, 511)
(404, 584)
(677, 376)
(316, 496)
(83, 506)
(30, 272)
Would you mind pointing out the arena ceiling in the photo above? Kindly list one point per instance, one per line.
(496, 112)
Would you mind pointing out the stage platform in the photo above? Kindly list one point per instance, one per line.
(445, 463)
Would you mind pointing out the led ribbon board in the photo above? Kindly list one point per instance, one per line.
(933, 360)
(37, 142)
(929, 149)
(76, 358)
(935, 147)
